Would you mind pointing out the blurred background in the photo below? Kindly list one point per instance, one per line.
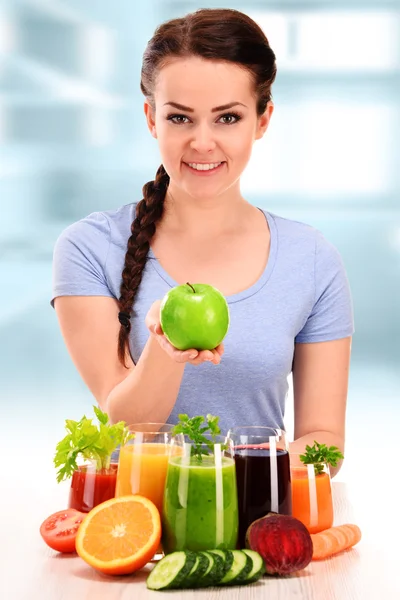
(73, 140)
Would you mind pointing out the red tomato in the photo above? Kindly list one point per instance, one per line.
(60, 529)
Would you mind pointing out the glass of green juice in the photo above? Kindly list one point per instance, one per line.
(200, 506)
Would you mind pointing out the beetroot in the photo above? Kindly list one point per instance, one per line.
(283, 541)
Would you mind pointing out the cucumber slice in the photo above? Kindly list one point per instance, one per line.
(258, 569)
(227, 557)
(171, 571)
(241, 567)
(196, 574)
(215, 570)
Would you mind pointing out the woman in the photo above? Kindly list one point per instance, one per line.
(207, 79)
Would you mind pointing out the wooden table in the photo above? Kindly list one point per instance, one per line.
(370, 571)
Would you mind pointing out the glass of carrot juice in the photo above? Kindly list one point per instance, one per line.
(311, 494)
(143, 463)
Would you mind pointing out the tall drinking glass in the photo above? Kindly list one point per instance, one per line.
(200, 500)
(262, 473)
(143, 463)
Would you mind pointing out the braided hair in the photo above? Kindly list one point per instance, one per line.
(148, 211)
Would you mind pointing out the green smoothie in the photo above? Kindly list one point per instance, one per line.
(200, 509)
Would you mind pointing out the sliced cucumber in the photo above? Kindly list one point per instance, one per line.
(171, 571)
(241, 567)
(258, 569)
(227, 558)
(215, 570)
(196, 574)
(187, 569)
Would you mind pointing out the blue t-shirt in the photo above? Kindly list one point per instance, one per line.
(302, 296)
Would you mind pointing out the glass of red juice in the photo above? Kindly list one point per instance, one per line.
(91, 486)
(262, 474)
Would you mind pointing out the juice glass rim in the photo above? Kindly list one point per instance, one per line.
(150, 433)
(251, 429)
(258, 435)
(91, 464)
(187, 445)
(220, 437)
(217, 440)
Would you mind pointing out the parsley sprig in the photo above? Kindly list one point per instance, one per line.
(318, 454)
(90, 441)
(194, 429)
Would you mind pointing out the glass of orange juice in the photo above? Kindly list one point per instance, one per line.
(311, 494)
(143, 463)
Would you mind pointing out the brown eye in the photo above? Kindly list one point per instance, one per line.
(177, 119)
(230, 118)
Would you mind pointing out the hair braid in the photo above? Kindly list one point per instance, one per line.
(148, 211)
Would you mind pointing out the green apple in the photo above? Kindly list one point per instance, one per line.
(194, 316)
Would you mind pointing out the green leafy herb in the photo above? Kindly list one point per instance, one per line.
(90, 441)
(194, 429)
(320, 454)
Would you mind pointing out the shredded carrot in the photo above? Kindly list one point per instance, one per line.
(335, 539)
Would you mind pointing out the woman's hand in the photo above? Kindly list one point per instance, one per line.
(192, 356)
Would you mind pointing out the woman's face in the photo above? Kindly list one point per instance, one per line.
(205, 122)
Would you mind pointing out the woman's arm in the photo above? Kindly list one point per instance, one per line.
(145, 392)
(149, 392)
(320, 384)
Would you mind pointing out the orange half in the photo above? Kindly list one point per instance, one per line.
(120, 535)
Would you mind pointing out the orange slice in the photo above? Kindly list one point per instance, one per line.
(120, 535)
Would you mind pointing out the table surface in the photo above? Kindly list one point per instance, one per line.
(368, 571)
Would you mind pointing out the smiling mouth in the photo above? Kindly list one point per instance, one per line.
(204, 167)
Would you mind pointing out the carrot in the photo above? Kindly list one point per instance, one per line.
(333, 540)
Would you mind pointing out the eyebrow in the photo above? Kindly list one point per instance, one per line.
(216, 109)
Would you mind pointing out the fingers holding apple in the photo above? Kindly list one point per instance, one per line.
(220, 349)
(191, 355)
(174, 353)
(190, 323)
(206, 356)
(152, 319)
(213, 356)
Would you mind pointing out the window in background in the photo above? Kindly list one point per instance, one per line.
(332, 132)
(333, 40)
(324, 149)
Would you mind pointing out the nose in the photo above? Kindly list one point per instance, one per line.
(203, 140)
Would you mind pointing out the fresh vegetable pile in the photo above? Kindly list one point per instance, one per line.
(121, 535)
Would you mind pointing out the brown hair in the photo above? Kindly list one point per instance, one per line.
(213, 34)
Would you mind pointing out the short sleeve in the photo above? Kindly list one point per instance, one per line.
(79, 259)
(331, 316)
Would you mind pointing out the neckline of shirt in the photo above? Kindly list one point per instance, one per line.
(250, 291)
